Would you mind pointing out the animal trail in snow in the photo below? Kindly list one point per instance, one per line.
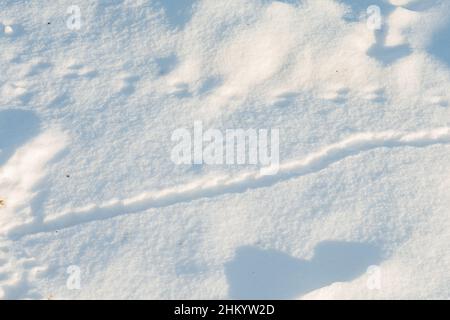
(210, 187)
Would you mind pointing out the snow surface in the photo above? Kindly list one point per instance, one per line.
(86, 180)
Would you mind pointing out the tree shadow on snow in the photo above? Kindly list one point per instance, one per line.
(269, 274)
(16, 127)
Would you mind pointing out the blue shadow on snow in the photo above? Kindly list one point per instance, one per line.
(16, 127)
(269, 274)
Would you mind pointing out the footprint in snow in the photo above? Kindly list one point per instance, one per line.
(285, 98)
(375, 95)
(339, 95)
(18, 272)
(38, 68)
(128, 84)
(439, 101)
(76, 71)
(181, 91)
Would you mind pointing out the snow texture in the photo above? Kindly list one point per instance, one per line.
(359, 208)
